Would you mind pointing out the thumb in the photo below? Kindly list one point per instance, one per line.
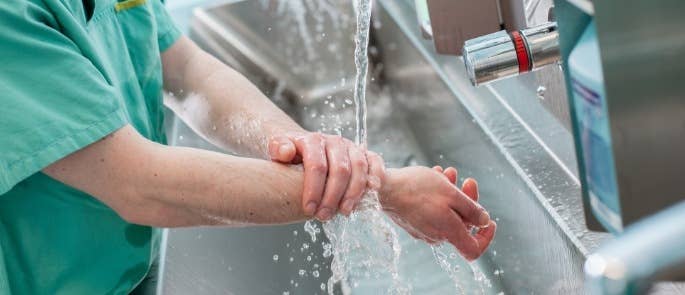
(282, 149)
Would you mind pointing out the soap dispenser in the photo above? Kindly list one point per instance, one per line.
(592, 120)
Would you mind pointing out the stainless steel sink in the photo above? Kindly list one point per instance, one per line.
(422, 110)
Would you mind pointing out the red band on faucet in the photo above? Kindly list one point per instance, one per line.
(521, 52)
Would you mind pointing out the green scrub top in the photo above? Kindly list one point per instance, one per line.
(72, 72)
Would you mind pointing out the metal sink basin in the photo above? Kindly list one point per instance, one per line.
(422, 110)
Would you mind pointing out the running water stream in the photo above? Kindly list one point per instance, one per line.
(361, 61)
(364, 245)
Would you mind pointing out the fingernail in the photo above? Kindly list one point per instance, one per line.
(324, 214)
(310, 209)
(484, 218)
(348, 206)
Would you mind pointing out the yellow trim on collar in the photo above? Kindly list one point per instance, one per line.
(128, 4)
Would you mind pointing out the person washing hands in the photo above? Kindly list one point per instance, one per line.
(86, 179)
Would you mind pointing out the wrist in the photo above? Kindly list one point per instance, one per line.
(388, 193)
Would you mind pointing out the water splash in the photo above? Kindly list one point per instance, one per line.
(541, 92)
(451, 263)
(364, 245)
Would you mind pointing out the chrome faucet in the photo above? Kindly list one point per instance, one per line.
(501, 55)
(650, 250)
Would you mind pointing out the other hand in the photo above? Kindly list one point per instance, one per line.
(427, 204)
(336, 170)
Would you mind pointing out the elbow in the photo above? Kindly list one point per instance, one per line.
(134, 207)
(140, 210)
(147, 214)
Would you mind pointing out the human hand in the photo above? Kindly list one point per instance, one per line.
(336, 170)
(427, 204)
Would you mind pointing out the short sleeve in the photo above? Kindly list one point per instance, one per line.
(167, 31)
(53, 100)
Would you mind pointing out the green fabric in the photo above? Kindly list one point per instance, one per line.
(66, 81)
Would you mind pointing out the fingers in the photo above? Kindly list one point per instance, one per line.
(469, 210)
(358, 180)
(471, 246)
(339, 172)
(451, 174)
(376, 171)
(313, 151)
(485, 235)
(461, 238)
(282, 149)
(470, 188)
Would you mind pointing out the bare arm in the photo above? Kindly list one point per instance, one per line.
(226, 109)
(220, 103)
(152, 184)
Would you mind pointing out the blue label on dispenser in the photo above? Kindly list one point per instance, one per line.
(595, 140)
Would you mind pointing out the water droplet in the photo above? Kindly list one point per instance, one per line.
(541, 91)
(323, 286)
(294, 233)
(180, 137)
(453, 255)
(214, 127)
(302, 272)
(275, 257)
(315, 273)
(291, 259)
(348, 101)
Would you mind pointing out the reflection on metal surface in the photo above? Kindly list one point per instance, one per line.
(543, 44)
(282, 40)
(490, 58)
(502, 55)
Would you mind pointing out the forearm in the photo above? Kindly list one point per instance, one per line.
(162, 186)
(225, 189)
(219, 103)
